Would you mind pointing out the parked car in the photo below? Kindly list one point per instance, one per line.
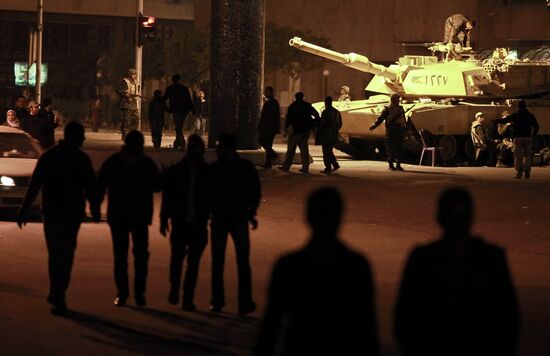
(19, 153)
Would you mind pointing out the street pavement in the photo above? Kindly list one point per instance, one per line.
(387, 214)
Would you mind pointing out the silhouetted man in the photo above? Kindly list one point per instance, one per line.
(300, 120)
(130, 177)
(180, 104)
(327, 135)
(236, 194)
(323, 295)
(269, 125)
(456, 296)
(22, 112)
(66, 177)
(185, 206)
(157, 107)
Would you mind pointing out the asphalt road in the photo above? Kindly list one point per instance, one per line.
(387, 213)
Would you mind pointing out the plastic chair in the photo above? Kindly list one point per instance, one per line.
(429, 145)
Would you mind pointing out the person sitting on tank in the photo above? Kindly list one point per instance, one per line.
(344, 93)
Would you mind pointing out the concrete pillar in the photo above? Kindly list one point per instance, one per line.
(236, 69)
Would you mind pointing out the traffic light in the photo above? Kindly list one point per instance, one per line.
(146, 28)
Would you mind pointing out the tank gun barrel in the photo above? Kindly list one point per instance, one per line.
(352, 60)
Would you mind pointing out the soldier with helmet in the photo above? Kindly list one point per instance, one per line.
(394, 117)
(129, 94)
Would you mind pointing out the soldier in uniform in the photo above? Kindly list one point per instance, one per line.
(458, 29)
(344, 93)
(482, 143)
(394, 117)
(128, 102)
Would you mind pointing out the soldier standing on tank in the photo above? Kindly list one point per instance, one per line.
(394, 117)
(129, 89)
(458, 29)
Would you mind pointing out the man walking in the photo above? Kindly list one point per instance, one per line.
(327, 135)
(179, 104)
(235, 197)
(129, 95)
(66, 178)
(394, 117)
(185, 205)
(130, 177)
(300, 120)
(157, 107)
(269, 125)
(524, 127)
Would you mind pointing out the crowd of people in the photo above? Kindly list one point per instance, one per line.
(456, 295)
(39, 121)
(227, 193)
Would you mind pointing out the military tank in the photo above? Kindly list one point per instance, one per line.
(440, 96)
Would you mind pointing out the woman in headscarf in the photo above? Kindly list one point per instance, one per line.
(12, 120)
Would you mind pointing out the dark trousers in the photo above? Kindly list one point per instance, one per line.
(179, 121)
(301, 141)
(238, 228)
(394, 145)
(266, 141)
(328, 157)
(129, 121)
(186, 239)
(61, 243)
(121, 243)
(156, 131)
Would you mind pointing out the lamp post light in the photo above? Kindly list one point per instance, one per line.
(326, 73)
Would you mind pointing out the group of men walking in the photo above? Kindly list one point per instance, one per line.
(227, 193)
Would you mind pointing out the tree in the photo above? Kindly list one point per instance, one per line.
(187, 54)
(280, 56)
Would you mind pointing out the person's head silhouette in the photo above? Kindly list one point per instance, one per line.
(226, 147)
(74, 134)
(324, 212)
(195, 148)
(328, 102)
(455, 212)
(133, 142)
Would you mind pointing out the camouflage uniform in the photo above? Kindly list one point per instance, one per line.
(128, 104)
(455, 30)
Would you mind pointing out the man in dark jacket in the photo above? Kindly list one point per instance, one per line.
(269, 125)
(327, 135)
(235, 196)
(185, 205)
(22, 111)
(322, 296)
(131, 178)
(157, 107)
(456, 295)
(524, 127)
(300, 120)
(180, 104)
(46, 125)
(66, 178)
(394, 117)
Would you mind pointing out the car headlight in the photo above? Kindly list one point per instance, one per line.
(7, 181)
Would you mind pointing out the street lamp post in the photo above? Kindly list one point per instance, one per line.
(138, 63)
(38, 84)
(326, 73)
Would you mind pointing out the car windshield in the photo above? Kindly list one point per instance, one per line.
(16, 146)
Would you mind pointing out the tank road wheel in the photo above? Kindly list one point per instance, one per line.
(450, 147)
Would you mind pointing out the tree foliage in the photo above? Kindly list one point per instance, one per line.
(279, 55)
(188, 54)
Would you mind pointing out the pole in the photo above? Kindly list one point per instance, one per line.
(139, 58)
(38, 84)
